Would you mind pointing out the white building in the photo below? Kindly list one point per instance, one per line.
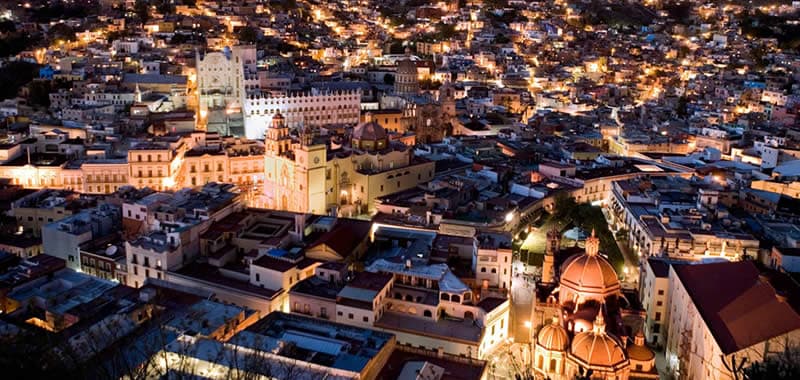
(315, 108)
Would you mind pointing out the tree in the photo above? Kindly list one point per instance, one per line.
(734, 366)
(142, 10)
(783, 366)
(681, 108)
(564, 206)
(39, 93)
(248, 34)
(62, 32)
(14, 75)
(446, 31)
(165, 7)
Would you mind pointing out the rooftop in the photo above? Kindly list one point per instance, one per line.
(744, 312)
(313, 340)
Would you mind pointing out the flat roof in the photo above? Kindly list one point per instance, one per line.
(314, 340)
(445, 329)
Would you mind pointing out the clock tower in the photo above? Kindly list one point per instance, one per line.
(311, 161)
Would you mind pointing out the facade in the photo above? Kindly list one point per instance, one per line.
(307, 177)
(315, 108)
(653, 292)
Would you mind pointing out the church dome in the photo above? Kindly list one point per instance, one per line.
(369, 131)
(590, 273)
(553, 337)
(597, 349)
(369, 136)
(638, 351)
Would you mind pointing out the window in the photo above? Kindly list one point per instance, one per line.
(365, 319)
(494, 270)
(661, 292)
(258, 277)
(350, 315)
(483, 270)
(427, 313)
(658, 316)
(659, 303)
(656, 328)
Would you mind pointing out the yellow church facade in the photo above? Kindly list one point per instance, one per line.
(314, 178)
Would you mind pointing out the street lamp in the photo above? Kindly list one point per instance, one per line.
(509, 217)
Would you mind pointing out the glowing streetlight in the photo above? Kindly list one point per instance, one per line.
(509, 217)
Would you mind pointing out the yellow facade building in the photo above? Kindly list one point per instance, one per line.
(303, 176)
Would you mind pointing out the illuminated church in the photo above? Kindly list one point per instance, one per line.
(342, 175)
(583, 328)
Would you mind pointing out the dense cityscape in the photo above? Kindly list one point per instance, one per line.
(411, 189)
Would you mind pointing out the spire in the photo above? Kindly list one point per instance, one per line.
(599, 327)
(138, 93)
(592, 245)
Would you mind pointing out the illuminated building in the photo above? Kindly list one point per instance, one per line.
(577, 336)
(308, 177)
(315, 108)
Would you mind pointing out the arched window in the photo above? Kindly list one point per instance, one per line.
(427, 313)
(552, 365)
(455, 298)
(409, 298)
(494, 270)
(445, 297)
(483, 270)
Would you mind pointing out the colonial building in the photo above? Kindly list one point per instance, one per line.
(223, 81)
(315, 108)
(304, 176)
